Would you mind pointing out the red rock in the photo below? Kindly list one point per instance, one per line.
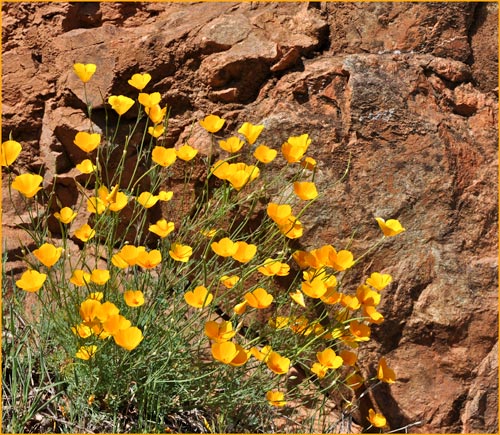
(482, 402)
(402, 94)
(224, 32)
(484, 45)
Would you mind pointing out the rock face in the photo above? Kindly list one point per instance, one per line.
(405, 92)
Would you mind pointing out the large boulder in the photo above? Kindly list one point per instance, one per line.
(404, 95)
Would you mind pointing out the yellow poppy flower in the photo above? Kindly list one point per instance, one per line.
(120, 104)
(349, 358)
(224, 247)
(241, 357)
(27, 184)
(128, 338)
(164, 195)
(96, 205)
(100, 276)
(300, 257)
(164, 156)
(133, 298)
(9, 152)
(259, 298)
(329, 358)
(119, 202)
(264, 154)
(31, 281)
(79, 278)
(308, 163)
(277, 363)
(89, 309)
(241, 307)
(298, 297)
(238, 179)
(186, 152)
(65, 215)
(317, 258)
(263, 354)
(147, 199)
(87, 142)
(219, 331)
(302, 326)
(84, 71)
(229, 353)
(86, 352)
(232, 145)
(319, 330)
(292, 229)
(97, 329)
(390, 227)
(360, 331)
(150, 259)
(127, 256)
(251, 132)
(278, 322)
(82, 330)
(292, 154)
(212, 123)
(105, 310)
(341, 260)
(379, 281)
(331, 296)
(314, 288)
(385, 373)
(139, 81)
(376, 419)
(319, 370)
(331, 281)
(224, 352)
(367, 296)
(106, 196)
(229, 281)
(295, 147)
(199, 297)
(372, 315)
(350, 302)
(242, 174)
(209, 233)
(354, 381)
(149, 100)
(305, 190)
(96, 295)
(119, 260)
(270, 267)
(284, 269)
(48, 254)
(86, 167)
(162, 228)
(221, 169)
(276, 398)
(156, 113)
(244, 252)
(115, 323)
(180, 252)
(279, 213)
(156, 131)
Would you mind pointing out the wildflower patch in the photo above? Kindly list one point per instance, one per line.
(211, 309)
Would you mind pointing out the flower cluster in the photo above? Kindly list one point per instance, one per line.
(103, 320)
(219, 266)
